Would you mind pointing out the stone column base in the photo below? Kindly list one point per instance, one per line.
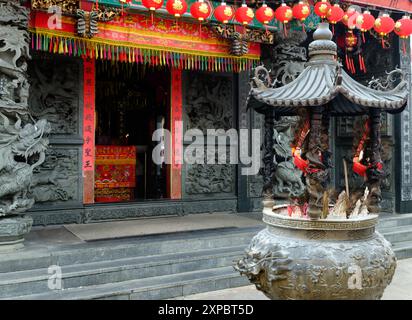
(12, 232)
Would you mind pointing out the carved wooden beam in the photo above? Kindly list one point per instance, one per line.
(67, 6)
(71, 7)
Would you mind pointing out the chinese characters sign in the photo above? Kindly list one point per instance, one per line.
(88, 129)
(177, 131)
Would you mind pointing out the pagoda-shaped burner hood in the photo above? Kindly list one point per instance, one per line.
(324, 81)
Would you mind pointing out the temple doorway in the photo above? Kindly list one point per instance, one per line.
(132, 101)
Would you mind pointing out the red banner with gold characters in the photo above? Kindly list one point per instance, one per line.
(177, 134)
(88, 129)
(135, 38)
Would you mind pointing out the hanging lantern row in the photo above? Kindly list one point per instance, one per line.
(202, 10)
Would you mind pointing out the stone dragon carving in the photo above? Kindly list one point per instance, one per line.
(287, 62)
(287, 179)
(23, 140)
(389, 82)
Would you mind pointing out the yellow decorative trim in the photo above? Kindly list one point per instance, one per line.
(116, 43)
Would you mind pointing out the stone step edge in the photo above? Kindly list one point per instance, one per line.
(130, 287)
(396, 217)
(402, 245)
(395, 230)
(93, 268)
(84, 248)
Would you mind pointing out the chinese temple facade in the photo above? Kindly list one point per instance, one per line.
(107, 74)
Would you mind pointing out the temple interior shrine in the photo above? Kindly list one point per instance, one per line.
(132, 103)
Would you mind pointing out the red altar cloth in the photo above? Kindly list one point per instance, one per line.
(115, 169)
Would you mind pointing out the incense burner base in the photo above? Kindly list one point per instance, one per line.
(322, 259)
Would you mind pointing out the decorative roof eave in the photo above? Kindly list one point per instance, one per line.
(164, 44)
(323, 81)
(368, 97)
(303, 92)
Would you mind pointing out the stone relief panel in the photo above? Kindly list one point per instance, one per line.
(255, 183)
(57, 179)
(54, 94)
(208, 104)
(210, 178)
(345, 126)
(208, 101)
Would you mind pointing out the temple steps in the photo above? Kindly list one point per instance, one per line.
(161, 287)
(397, 234)
(395, 220)
(397, 229)
(159, 267)
(33, 257)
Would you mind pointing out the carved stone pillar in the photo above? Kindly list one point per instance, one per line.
(23, 141)
(268, 157)
(316, 170)
(375, 174)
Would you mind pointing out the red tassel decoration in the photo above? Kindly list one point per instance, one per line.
(363, 63)
(353, 65)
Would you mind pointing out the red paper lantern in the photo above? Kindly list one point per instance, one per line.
(224, 13)
(365, 21)
(244, 14)
(176, 7)
(351, 41)
(322, 8)
(264, 14)
(200, 10)
(349, 18)
(384, 24)
(403, 27)
(335, 14)
(152, 5)
(284, 13)
(301, 11)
